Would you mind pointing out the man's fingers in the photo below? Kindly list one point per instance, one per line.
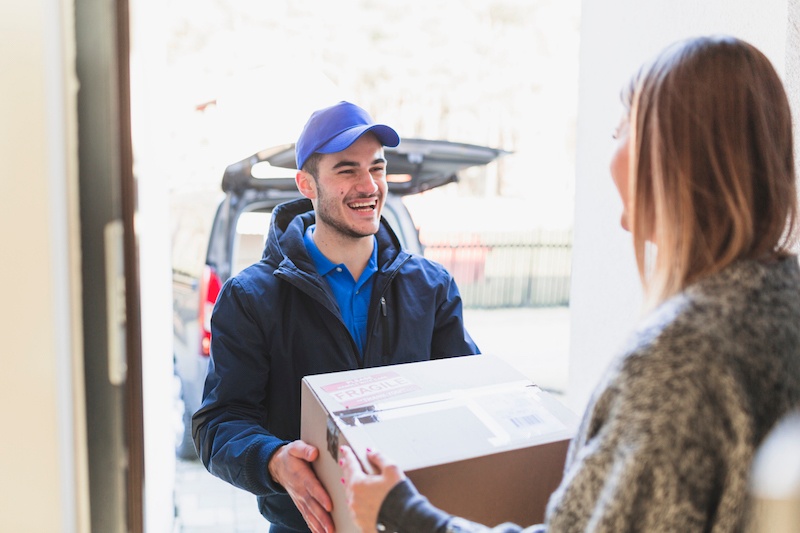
(314, 495)
(320, 496)
(316, 517)
(314, 504)
(303, 451)
(291, 467)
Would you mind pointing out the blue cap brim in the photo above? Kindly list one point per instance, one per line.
(386, 136)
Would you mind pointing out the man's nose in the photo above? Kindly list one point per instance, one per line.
(366, 183)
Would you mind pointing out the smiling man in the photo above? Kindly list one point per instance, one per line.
(333, 291)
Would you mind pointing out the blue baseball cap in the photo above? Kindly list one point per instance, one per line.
(334, 128)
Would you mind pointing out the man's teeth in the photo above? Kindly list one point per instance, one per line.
(362, 205)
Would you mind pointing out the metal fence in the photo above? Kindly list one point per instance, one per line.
(513, 269)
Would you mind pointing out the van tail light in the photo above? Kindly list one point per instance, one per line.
(209, 290)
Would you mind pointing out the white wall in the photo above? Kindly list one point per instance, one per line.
(43, 476)
(792, 73)
(616, 37)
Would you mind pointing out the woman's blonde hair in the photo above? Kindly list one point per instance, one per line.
(712, 176)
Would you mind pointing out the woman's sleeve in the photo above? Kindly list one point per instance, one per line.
(405, 510)
(647, 458)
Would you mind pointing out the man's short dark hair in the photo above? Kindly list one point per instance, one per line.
(312, 164)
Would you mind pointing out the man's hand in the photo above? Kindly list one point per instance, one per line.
(365, 493)
(291, 467)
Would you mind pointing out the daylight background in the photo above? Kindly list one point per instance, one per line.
(215, 81)
(244, 75)
(238, 76)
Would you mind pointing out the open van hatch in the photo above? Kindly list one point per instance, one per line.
(414, 166)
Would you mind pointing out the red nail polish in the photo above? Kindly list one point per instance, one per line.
(342, 481)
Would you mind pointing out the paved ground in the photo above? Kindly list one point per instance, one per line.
(205, 504)
(533, 340)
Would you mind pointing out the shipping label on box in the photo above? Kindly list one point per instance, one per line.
(474, 435)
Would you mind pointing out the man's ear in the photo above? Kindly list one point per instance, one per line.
(306, 184)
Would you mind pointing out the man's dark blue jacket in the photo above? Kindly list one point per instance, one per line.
(277, 321)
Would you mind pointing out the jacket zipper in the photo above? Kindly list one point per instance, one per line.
(385, 336)
(383, 310)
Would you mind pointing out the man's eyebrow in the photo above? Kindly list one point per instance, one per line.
(341, 164)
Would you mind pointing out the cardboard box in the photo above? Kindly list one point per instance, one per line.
(475, 436)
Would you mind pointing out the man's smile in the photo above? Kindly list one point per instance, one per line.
(364, 205)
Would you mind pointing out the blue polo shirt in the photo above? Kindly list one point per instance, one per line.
(351, 295)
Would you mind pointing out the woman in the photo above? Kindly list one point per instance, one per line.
(705, 170)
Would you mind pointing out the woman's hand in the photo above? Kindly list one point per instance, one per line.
(366, 492)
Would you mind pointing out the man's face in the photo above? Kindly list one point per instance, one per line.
(351, 188)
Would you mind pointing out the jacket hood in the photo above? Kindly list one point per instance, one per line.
(288, 225)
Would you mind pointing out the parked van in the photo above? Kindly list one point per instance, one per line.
(215, 235)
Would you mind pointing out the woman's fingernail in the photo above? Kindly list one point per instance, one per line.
(341, 462)
(369, 450)
(342, 481)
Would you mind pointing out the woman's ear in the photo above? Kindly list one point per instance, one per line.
(306, 184)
